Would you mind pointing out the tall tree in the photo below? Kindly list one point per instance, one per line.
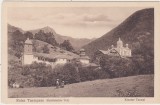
(51, 39)
(28, 35)
(18, 36)
(17, 43)
(40, 36)
(46, 37)
(66, 45)
(45, 49)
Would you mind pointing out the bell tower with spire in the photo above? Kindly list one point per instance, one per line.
(28, 53)
(123, 51)
(119, 43)
(28, 46)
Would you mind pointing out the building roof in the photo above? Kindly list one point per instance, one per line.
(104, 52)
(28, 41)
(82, 50)
(109, 51)
(93, 64)
(44, 55)
(84, 57)
(65, 57)
(54, 56)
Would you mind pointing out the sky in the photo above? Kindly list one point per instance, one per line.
(76, 22)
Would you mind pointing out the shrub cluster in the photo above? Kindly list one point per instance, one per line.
(121, 67)
(42, 75)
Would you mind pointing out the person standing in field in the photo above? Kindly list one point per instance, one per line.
(57, 83)
(62, 84)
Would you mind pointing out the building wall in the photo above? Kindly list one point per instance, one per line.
(124, 51)
(85, 61)
(61, 61)
(35, 59)
(28, 59)
(42, 61)
(28, 49)
(129, 53)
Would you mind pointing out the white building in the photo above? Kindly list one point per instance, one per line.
(120, 50)
(124, 51)
(29, 56)
(84, 59)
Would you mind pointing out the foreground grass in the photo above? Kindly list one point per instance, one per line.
(133, 86)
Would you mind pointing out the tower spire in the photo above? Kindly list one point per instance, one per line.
(119, 43)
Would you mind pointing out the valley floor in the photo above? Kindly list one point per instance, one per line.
(133, 86)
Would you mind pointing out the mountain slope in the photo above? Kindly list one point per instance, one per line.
(140, 24)
(13, 29)
(77, 43)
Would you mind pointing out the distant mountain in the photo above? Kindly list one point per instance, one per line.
(77, 43)
(139, 25)
(45, 29)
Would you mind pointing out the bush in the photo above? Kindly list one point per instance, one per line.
(45, 49)
(92, 73)
(117, 67)
(42, 75)
(69, 73)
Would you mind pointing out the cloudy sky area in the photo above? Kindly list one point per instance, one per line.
(76, 22)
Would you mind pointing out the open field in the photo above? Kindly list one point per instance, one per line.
(133, 86)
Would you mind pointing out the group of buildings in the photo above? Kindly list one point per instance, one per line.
(52, 59)
(29, 56)
(119, 50)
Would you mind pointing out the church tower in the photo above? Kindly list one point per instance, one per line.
(28, 46)
(82, 52)
(119, 43)
(28, 54)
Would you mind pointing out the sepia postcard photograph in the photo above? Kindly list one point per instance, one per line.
(76, 52)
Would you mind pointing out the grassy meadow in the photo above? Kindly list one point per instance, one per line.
(133, 86)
